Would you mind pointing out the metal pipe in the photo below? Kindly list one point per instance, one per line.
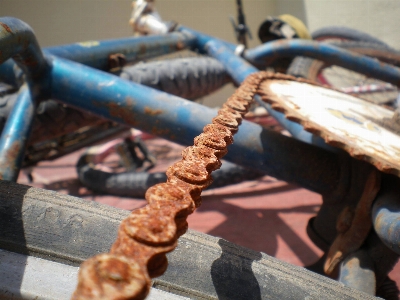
(202, 39)
(236, 66)
(386, 213)
(11, 74)
(263, 55)
(18, 41)
(180, 121)
(96, 53)
(357, 271)
(15, 134)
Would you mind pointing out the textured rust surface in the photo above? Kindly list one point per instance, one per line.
(5, 26)
(10, 158)
(152, 231)
(123, 112)
(116, 60)
(152, 112)
(353, 227)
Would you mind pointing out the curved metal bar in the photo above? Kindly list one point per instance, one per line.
(386, 213)
(202, 39)
(15, 135)
(11, 74)
(18, 41)
(96, 53)
(268, 52)
(357, 271)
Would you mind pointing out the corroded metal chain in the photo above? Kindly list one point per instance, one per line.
(144, 238)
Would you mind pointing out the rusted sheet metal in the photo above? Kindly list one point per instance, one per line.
(343, 121)
(152, 231)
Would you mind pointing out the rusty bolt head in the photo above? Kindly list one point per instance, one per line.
(151, 227)
(104, 276)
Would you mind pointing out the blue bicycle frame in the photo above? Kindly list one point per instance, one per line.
(74, 74)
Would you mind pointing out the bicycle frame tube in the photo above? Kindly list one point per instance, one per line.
(96, 53)
(385, 213)
(239, 69)
(15, 134)
(263, 55)
(18, 41)
(179, 120)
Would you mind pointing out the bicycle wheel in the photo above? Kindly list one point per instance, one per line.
(44, 236)
(354, 83)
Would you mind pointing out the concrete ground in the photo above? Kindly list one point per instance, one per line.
(266, 215)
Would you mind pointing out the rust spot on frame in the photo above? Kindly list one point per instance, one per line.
(6, 27)
(152, 112)
(9, 162)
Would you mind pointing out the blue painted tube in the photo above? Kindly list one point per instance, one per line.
(386, 213)
(15, 134)
(18, 41)
(236, 67)
(180, 121)
(357, 271)
(202, 39)
(10, 73)
(263, 55)
(95, 53)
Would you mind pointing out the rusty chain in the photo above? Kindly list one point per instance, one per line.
(150, 232)
(144, 238)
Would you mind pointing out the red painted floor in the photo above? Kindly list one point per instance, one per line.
(266, 215)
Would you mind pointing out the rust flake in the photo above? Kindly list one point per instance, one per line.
(152, 112)
(180, 45)
(6, 27)
(10, 157)
(123, 112)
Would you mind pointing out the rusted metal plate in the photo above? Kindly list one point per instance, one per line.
(366, 131)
